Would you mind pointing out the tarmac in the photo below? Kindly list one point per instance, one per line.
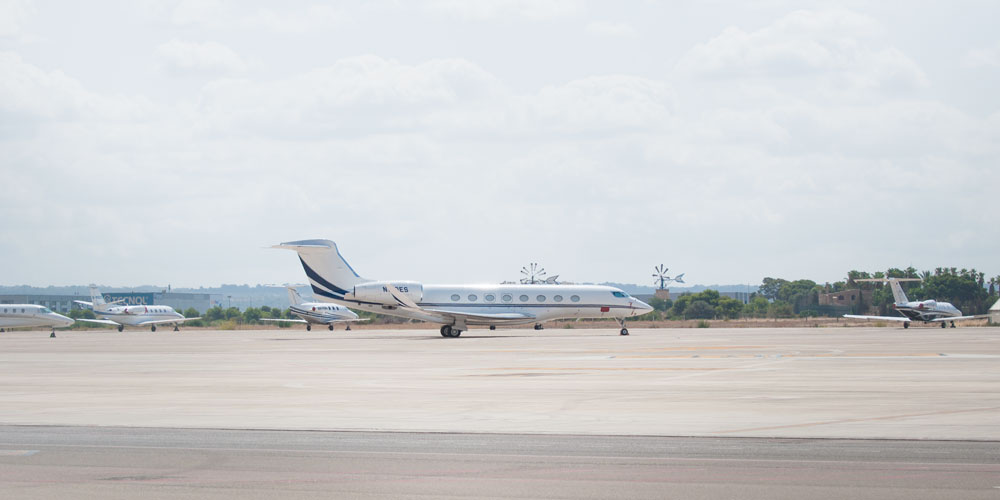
(560, 413)
(870, 383)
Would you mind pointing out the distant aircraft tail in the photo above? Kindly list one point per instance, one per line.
(293, 296)
(897, 290)
(97, 299)
(330, 276)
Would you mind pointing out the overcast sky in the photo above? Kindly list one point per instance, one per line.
(166, 142)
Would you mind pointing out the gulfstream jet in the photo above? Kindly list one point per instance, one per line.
(27, 315)
(928, 311)
(122, 316)
(316, 313)
(457, 307)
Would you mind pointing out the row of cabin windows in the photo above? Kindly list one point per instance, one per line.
(42, 310)
(510, 298)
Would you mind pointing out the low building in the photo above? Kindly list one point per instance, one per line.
(995, 313)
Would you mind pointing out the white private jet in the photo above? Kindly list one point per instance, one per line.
(29, 315)
(318, 313)
(122, 316)
(457, 307)
(928, 311)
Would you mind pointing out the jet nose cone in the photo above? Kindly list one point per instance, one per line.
(64, 321)
(641, 307)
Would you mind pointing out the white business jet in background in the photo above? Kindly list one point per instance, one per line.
(457, 307)
(122, 316)
(30, 315)
(928, 311)
(316, 313)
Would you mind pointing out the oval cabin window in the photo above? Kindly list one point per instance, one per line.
(524, 298)
(540, 298)
(472, 297)
(507, 297)
(575, 298)
(490, 297)
(557, 298)
(455, 297)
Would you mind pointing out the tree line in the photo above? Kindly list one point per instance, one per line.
(968, 289)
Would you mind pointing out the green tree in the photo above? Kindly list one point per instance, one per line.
(233, 313)
(215, 314)
(251, 315)
(770, 287)
(779, 309)
(729, 308)
(757, 307)
(699, 309)
(191, 313)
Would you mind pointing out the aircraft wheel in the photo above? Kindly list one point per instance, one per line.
(456, 333)
(493, 327)
(538, 326)
(330, 327)
(152, 328)
(121, 327)
(906, 324)
(624, 331)
(446, 331)
(953, 324)
(943, 325)
(348, 328)
(176, 329)
(309, 327)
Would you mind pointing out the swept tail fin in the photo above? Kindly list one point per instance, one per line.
(894, 283)
(330, 276)
(293, 296)
(97, 299)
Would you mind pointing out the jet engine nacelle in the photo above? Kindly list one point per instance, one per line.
(378, 291)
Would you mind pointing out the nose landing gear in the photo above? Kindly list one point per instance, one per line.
(624, 330)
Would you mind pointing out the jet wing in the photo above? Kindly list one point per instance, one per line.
(878, 318)
(344, 320)
(958, 318)
(162, 321)
(284, 320)
(100, 321)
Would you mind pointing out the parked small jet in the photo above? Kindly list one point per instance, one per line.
(318, 313)
(928, 311)
(28, 315)
(122, 316)
(457, 307)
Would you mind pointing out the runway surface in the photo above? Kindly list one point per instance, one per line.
(150, 463)
(920, 383)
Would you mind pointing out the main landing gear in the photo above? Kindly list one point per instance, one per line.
(953, 324)
(53, 334)
(121, 328)
(944, 324)
(330, 327)
(348, 328)
(538, 326)
(493, 327)
(906, 324)
(152, 328)
(309, 327)
(448, 331)
(624, 331)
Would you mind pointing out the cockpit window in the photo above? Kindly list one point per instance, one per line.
(46, 310)
(620, 294)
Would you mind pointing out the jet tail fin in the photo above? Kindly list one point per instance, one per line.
(293, 296)
(894, 283)
(329, 274)
(97, 299)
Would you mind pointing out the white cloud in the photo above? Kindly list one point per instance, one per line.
(604, 28)
(986, 57)
(843, 47)
(491, 9)
(194, 57)
(13, 14)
